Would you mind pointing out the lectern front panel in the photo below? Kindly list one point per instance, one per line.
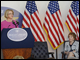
(20, 53)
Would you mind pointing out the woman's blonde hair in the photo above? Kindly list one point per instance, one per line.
(7, 11)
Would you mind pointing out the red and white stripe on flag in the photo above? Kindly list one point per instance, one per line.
(31, 20)
(53, 25)
(72, 21)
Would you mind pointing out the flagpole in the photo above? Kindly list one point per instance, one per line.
(56, 54)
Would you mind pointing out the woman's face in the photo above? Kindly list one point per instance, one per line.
(10, 14)
(71, 38)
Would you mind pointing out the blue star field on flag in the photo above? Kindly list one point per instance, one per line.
(75, 7)
(53, 6)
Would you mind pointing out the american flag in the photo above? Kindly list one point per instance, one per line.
(53, 25)
(72, 20)
(32, 20)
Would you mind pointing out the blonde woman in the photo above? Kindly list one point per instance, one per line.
(9, 22)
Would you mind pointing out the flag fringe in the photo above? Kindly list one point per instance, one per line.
(50, 41)
(68, 27)
(22, 27)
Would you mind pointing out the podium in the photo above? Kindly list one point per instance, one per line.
(17, 43)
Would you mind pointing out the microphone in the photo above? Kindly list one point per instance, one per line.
(14, 24)
(9, 25)
(17, 22)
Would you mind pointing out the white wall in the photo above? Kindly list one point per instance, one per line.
(42, 6)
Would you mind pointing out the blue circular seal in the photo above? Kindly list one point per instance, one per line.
(17, 34)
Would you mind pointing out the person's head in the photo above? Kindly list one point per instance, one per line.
(9, 13)
(72, 36)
